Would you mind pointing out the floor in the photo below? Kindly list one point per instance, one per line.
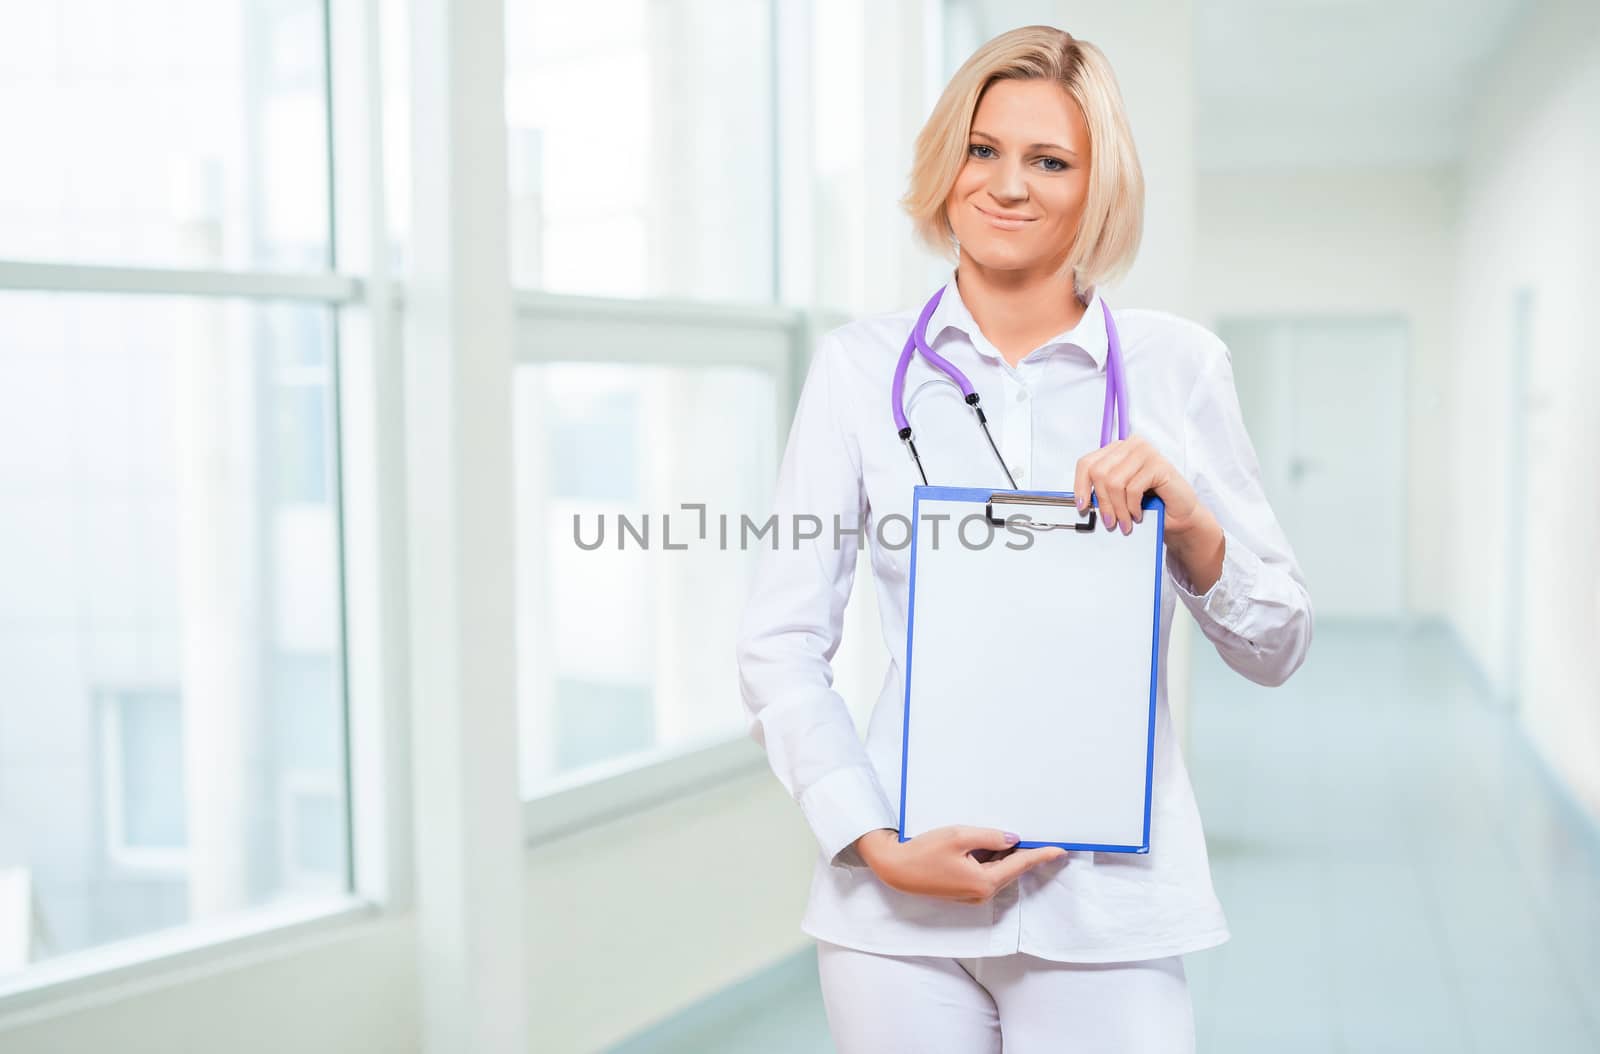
(1399, 870)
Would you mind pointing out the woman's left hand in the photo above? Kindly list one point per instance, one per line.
(1121, 472)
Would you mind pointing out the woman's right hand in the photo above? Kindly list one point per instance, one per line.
(967, 864)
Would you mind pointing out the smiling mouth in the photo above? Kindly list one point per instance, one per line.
(1003, 222)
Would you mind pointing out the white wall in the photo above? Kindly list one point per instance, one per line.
(635, 920)
(1530, 219)
(627, 923)
(350, 989)
(1352, 242)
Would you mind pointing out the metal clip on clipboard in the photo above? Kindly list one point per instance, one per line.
(1038, 512)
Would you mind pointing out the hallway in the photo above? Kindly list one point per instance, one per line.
(1399, 871)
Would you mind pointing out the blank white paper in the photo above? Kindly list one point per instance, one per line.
(1031, 675)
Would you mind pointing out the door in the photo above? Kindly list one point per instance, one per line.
(1324, 401)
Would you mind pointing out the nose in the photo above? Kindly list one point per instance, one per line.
(1006, 182)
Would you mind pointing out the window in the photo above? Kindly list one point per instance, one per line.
(641, 163)
(172, 714)
(172, 728)
(170, 624)
(311, 833)
(141, 779)
(17, 935)
(178, 133)
(641, 147)
(626, 648)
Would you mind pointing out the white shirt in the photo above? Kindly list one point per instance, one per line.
(844, 458)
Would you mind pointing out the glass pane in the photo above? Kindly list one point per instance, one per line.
(171, 719)
(629, 649)
(146, 732)
(184, 133)
(640, 150)
(839, 52)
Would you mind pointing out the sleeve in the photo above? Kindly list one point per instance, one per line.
(1258, 613)
(791, 623)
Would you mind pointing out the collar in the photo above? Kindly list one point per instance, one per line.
(951, 313)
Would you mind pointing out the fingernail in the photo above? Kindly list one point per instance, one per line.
(1011, 839)
(1127, 528)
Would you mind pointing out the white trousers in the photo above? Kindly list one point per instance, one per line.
(921, 1004)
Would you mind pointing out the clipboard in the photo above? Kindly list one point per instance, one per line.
(1031, 670)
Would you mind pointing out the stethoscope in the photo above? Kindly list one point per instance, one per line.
(1116, 386)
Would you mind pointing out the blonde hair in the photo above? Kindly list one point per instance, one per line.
(1113, 215)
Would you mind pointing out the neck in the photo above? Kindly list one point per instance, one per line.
(1018, 310)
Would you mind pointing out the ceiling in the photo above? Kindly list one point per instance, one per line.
(1310, 83)
(1319, 83)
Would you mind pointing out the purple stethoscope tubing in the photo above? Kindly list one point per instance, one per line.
(1116, 402)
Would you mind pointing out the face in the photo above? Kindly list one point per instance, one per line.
(1019, 196)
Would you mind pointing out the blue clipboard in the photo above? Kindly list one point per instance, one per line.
(997, 732)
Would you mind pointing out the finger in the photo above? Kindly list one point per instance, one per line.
(1119, 492)
(1003, 872)
(1094, 464)
(1130, 490)
(985, 856)
(983, 838)
(1142, 481)
(1108, 484)
(1138, 467)
(1080, 479)
(1121, 460)
(1019, 860)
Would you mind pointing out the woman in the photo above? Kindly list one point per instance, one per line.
(1027, 171)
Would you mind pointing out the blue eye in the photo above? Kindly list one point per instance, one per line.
(1052, 164)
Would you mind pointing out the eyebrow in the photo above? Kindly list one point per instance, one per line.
(1031, 146)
